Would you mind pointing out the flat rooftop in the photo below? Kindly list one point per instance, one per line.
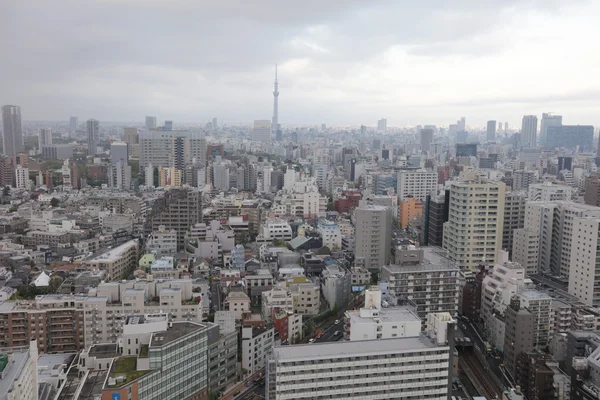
(13, 370)
(394, 314)
(107, 350)
(176, 331)
(113, 254)
(535, 295)
(333, 350)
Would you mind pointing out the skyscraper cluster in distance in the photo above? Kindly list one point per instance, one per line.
(171, 260)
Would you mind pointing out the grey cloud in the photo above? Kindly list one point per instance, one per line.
(65, 56)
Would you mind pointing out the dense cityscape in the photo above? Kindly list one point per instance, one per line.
(318, 252)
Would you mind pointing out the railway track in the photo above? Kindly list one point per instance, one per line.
(478, 375)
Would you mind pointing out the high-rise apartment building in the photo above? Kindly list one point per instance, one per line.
(548, 120)
(514, 217)
(73, 124)
(373, 236)
(12, 130)
(150, 123)
(435, 215)
(529, 131)
(584, 278)
(518, 334)
(45, 138)
(522, 179)
(473, 233)
(592, 190)
(417, 368)
(93, 130)
(562, 234)
(426, 278)
(491, 131)
(526, 250)
(416, 183)
(178, 209)
(426, 139)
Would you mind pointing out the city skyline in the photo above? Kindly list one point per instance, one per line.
(463, 63)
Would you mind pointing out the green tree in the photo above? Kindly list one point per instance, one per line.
(54, 202)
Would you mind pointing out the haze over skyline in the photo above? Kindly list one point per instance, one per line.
(340, 62)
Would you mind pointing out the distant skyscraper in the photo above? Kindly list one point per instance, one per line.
(363, 130)
(150, 122)
(529, 131)
(382, 125)
(215, 123)
(548, 120)
(13, 134)
(426, 139)
(262, 130)
(570, 137)
(119, 152)
(73, 123)
(132, 138)
(45, 138)
(168, 126)
(462, 124)
(506, 127)
(93, 128)
(275, 122)
(491, 131)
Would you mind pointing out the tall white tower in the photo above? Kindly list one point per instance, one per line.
(275, 122)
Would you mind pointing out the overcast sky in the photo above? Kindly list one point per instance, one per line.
(341, 61)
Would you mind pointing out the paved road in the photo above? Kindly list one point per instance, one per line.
(215, 296)
(328, 333)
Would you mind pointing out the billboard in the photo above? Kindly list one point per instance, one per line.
(358, 288)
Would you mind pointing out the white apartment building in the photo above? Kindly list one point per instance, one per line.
(498, 287)
(416, 183)
(331, 234)
(21, 177)
(473, 232)
(403, 368)
(306, 297)
(373, 226)
(275, 229)
(162, 242)
(278, 298)
(257, 345)
(117, 262)
(548, 191)
(20, 376)
(584, 278)
(373, 322)
(308, 203)
(564, 216)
